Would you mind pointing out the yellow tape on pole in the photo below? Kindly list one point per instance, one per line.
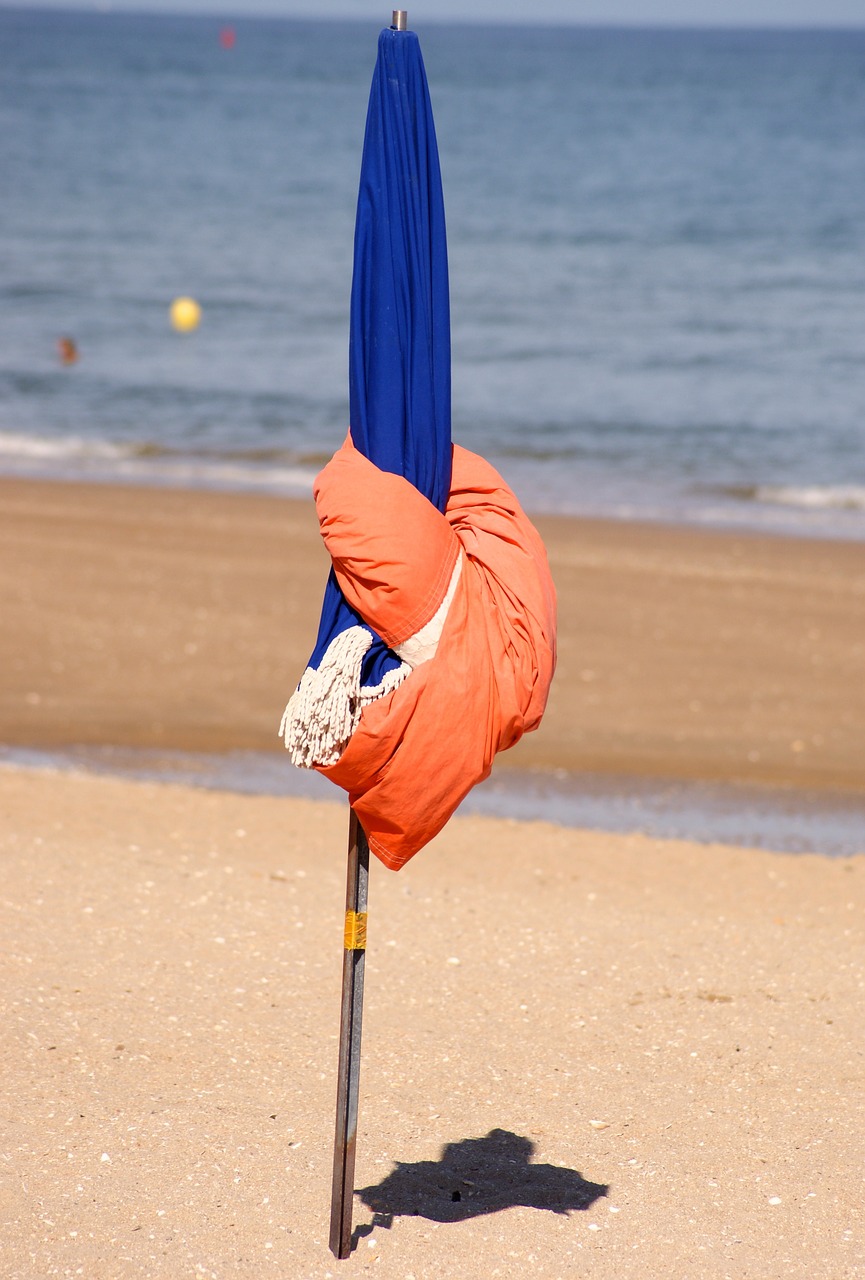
(355, 930)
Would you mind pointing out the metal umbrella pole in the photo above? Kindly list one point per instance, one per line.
(354, 954)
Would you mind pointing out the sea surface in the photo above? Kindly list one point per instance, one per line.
(657, 257)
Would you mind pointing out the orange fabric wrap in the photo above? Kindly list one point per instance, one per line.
(418, 751)
(392, 551)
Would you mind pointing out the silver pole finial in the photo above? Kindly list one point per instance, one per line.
(400, 20)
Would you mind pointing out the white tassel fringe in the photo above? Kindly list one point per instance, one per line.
(324, 710)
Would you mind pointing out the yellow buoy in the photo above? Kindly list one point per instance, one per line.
(185, 314)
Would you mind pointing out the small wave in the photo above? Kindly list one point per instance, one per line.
(46, 448)
(25, 291)
(810, 497)
(212, 474)
(71, 448)
(261, 454)
(149, 463)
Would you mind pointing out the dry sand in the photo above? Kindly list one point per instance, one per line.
(639, 1058)
(680, 1027)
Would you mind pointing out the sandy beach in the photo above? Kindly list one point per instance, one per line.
(584, 1054)
(147, 617)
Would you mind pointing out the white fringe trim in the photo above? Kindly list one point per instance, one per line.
(325, 709)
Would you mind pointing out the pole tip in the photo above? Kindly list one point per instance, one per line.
(400, 20)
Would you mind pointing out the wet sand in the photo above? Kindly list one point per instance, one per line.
(183, 620)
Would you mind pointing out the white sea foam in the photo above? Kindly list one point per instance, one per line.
(209, 474)
(138, 462)
(830, 497)
(16, 445)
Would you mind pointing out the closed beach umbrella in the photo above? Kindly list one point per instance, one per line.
(399, 415)
(399, 376)
(436, 644)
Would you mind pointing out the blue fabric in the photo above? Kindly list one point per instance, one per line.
(399, 344)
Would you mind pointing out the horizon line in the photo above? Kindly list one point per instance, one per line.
(108, 9)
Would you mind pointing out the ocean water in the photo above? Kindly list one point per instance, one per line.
(657, 258)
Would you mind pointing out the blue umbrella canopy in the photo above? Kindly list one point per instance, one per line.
(399, 345)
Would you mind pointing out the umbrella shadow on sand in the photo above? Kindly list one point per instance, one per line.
(475, 1177)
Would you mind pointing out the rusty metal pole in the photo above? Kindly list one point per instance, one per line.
(354, 954)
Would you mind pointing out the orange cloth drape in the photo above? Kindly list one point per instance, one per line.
(419, 750)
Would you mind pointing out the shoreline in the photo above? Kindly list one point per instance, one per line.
(786, 820)
(822, 519)
(181, 619)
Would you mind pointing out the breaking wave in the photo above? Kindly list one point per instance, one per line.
(144, 462)
(810, 497)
